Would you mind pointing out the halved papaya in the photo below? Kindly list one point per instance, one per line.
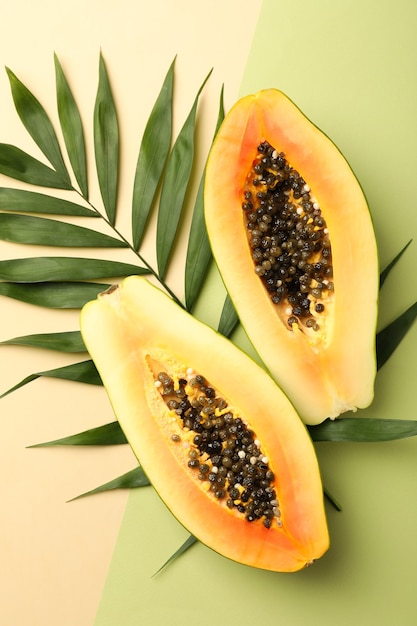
(293, 239)
(219, 441)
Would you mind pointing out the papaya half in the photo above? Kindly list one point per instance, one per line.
(293, 239)
(219, 441)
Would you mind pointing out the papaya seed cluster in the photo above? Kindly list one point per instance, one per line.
(224, 453)
(288, 237)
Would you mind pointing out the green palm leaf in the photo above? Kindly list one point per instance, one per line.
(19, 165)
(40, 269)
(70, 341)
(330, 497)
(190, 541)
(41, 231)
(38, 124)
(106, 143)
(53, 295)
(34, 202)
(130, 480)
(228, 317)
(390, 337)
(72, 128)
(84, 372)
(153, 154)
(198, 250)
(384, 274)
(174, 188)
(108, 434)
(361, 429)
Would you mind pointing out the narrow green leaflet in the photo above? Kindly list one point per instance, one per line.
(106, 435)
(390, 337)
(40, 269)
(34, 202)
(38, 124)
(72, 128)
(153, 154)
(130, 480)
(386, 271)
(69, 341)
(84, 372)
(335, 503)
(228, 318)
(53, 295)
(198, 250)
(190, 541)
(174, 188)
(363, 429)
(106, 143)
(42, 231)
(19, 165)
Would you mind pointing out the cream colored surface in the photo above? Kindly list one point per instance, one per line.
(55, 555)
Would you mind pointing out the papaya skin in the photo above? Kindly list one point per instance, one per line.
(334, 371)
(129, 332)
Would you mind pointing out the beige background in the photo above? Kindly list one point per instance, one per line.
(55, 555)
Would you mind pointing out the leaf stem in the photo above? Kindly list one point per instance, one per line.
(143, 261)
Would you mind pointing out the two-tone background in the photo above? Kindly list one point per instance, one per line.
(351, 67)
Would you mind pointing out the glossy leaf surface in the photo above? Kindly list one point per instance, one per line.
(174, 188)
(38, 124)
(46, 232)
(153, 154)
(72, 128)
(106, 143)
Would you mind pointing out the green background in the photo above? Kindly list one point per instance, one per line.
(351, 67)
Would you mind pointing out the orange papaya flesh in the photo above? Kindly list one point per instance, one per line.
(153, 357)
(293, 239)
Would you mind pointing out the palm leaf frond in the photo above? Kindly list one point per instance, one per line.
(361, 429)
(174, 188)
(198, 250)
(386, 271)
(22, 200)
(190, 541)
(84, 372)
(106, 435)
(72, 128)
(152, 157)
(106, 143)
(389, 338)
(21, 166)
(38, 124)
(53, 295)
(57, 268)
(46, 232)
(69, 341)
(130, 480)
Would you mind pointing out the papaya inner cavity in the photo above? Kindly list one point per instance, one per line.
(224, 453)
(289, 241)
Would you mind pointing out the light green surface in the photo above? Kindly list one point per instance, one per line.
(351, 67)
